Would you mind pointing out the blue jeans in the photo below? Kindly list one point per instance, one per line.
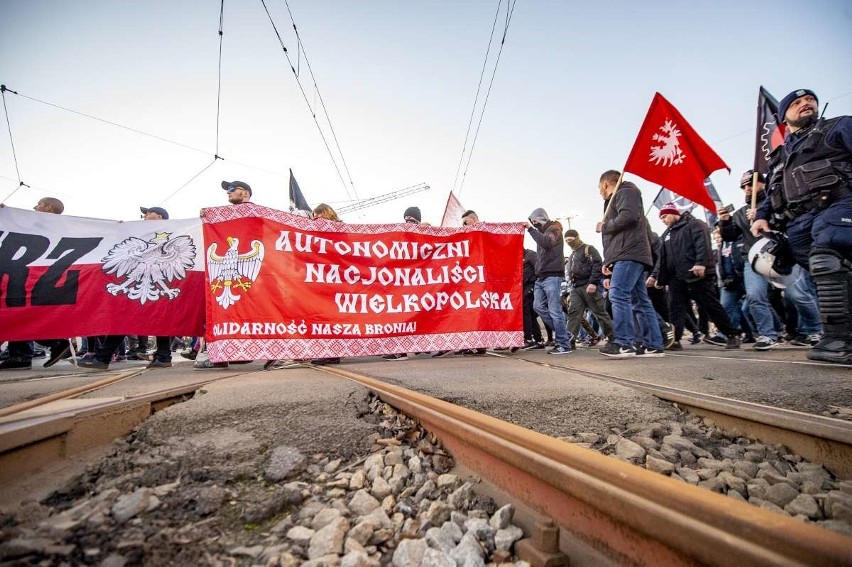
(757, 298)
(628, 295)
(801, 293)
(548, 305)
(730, 300)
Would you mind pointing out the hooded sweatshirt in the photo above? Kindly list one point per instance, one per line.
(548, 238)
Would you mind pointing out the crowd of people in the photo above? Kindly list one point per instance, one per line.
(780, 270)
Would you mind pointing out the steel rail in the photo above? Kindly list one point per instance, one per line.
(633, 515)
(820, 439)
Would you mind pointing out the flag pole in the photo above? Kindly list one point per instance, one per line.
(612, 197)
(660, 192)
(753, 193)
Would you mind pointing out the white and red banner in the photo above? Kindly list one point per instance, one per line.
(285, 286)
(65, 276)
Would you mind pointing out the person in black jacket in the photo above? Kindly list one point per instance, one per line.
(686, 265)
(627, 256)
(532, 331)
(584, 274)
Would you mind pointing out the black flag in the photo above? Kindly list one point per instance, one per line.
(770, 134)
(298, 204)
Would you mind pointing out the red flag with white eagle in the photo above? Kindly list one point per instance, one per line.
(670, 152)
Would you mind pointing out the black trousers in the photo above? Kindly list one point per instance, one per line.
(532, 332)
(703, 292)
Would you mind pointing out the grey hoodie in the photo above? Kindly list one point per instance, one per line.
(548, 238)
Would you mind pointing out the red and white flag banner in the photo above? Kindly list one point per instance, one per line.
(285, 286)
(669, 151)
(64, 276)
(452, 212)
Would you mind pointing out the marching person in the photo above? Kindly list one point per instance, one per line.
(686, 265)
(584, 274)
(550, 273)
(810, 187)
(627, 258)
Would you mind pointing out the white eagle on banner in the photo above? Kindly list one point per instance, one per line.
(148, 266)
(233, 270)
(669, 153)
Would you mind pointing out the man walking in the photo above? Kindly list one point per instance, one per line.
(627, 257)
(584, 273)
(810, 186)
(550, 273)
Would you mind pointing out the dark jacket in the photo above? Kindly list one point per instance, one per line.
(548, 238)
(625, 228)
(738, 226)
(584, 266)
(685, 244)
(529, 269)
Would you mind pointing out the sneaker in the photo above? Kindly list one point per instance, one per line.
(159, 364)
(442, 353)
(93, 364)
(325, 361)
(209, 365)
(593, 341)
(616, 350)
(675, 346)
(473, 352)
(668, 335)
(559, 350)
(190, 354)
(534, 346)
(749, 340)
(832, 350)
(15, 364)
(765, 343)
(139, 355)
(649, 352)
(732, 343)
(549, 343)
(806, 340)
(39, 353)
(696, 338)
(396, 356)
(717, 340)
(57, 354)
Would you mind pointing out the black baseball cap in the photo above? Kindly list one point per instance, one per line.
(158, 210)
(226, 185)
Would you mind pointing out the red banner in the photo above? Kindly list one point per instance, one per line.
(284, 286)
(64, 276)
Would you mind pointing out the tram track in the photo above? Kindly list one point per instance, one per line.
(621, 510)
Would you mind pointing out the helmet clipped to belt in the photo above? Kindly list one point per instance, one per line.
(772, 258)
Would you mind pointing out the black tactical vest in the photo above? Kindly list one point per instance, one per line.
(814, 175)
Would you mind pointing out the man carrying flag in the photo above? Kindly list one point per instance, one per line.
(810, 184)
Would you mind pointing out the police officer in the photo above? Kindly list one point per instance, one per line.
(810, 188)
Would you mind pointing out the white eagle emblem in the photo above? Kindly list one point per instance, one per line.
(669, 153)
(149, 266)
(233, 270)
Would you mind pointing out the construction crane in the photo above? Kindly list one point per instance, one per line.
(364, 203)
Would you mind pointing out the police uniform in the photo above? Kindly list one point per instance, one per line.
(810, 192)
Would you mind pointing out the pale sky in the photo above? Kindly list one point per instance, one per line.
(398, 79)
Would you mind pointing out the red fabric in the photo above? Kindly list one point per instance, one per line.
(313, 294)
(55, 283)
(669, 152)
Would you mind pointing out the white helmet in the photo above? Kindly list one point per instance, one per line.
(772, 258)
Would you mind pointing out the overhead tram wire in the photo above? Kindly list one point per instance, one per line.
(305, 96)
(509, 11)
(191, 179)
(3, 90)
(219, 85)
(302, 51)
(478, 90)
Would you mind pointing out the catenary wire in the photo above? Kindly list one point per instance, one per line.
(3, 90)
(303, 52)
(476, 98)
(509, 11)
(305, 96)
(191, 179)
(219, 86)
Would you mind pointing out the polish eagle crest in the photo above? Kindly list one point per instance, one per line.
(149, 266)
(233, 270)
(669, 153)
